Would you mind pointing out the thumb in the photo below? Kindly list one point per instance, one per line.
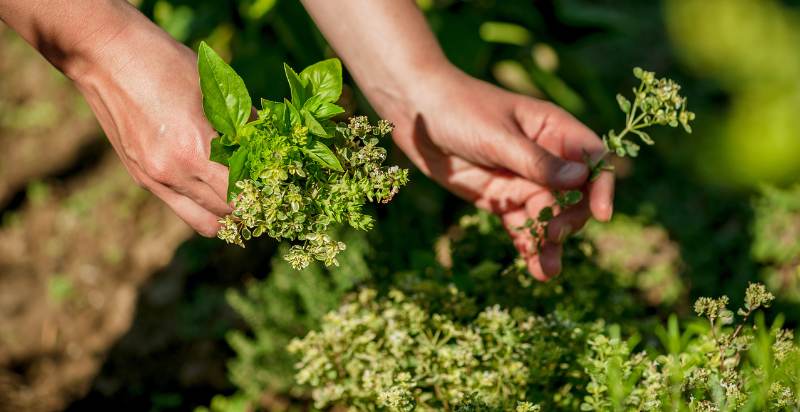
(531, 161)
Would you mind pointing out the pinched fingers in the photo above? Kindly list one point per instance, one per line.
(199, 218)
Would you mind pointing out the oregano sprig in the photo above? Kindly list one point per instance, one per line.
(657, 102)
(293, 171)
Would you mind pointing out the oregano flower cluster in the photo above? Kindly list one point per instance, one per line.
(293, 170)
(657, 102)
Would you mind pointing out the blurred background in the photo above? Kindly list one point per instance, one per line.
(108, 299)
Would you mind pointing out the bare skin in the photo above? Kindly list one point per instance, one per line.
(502, 151)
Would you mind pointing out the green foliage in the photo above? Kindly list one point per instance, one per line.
(713, 366)
(776, 242)
(656, 102)
(287, 304)
(393, 353)
(284, 179)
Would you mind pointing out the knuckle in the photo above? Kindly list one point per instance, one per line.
(167, 167)
(158, 169)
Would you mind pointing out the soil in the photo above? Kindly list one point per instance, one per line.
(107, 300)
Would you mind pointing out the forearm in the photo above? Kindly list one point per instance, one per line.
(386, 45)
(69, 33)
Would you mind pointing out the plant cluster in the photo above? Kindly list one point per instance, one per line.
(287, 304)
(293, 170)
(391, 353)
(657, 102)
(714, 366)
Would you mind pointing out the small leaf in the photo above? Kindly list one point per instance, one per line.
(546, 214)
(270, 108)
(325, 79)
(630, 148)
(297, 86)
(295, 119)
(624, 104)
(570, 198)
(323, 155)
(226, 102)
(237, 170)
(313, 125)
(220, 152)
(644, 136)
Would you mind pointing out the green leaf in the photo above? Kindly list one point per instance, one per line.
(237, 170)
(624, 104)
(226, 102)
(270, 109)
(570, 198)
(546, 214)
(327, 111)
(313, 103)
(313, 125)
(323, 155)
(297, 86)
(220, 152)
(295, 119)
(644, 136)
(325, 79)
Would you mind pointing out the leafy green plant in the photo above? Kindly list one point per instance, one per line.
(657, 101)
(286, 305)
(293, 170)
(396, 353)
(711, 366)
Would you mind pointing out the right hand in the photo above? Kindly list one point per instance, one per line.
(144, 89)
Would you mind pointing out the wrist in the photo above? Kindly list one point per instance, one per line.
(109, 45)
(397, 95)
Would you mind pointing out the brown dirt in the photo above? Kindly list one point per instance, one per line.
(75, 249)
(45, 125)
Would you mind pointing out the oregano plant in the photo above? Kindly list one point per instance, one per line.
(656, 102)
(293, 170)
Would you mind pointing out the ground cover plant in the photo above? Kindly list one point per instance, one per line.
(293, 170)
(471, 331)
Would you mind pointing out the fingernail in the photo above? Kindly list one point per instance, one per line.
(571, 172)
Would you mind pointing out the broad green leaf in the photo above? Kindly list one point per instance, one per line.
(226, 102)
(220, 152)
(237, 170)
(327, 111)
(323, 155)
(297, 86)
(325, 79)
(313, 125)
(313, 103)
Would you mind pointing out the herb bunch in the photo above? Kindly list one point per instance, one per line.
(293, 170)
(657, 102)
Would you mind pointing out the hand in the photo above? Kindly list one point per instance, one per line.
(143, 87)
(504, 152)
